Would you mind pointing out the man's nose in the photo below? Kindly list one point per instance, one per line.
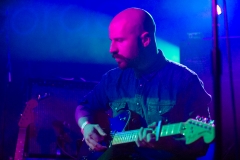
(113, 49)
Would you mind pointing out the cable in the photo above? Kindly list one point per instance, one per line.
(231, 78)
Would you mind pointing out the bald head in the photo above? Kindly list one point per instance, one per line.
(135, 20)
(132, 35)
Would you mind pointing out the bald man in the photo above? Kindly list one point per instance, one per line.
(147, 85)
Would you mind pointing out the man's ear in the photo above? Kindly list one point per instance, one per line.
(145, 39)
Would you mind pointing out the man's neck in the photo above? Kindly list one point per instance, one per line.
(155, 63)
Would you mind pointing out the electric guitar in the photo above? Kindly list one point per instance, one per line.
(27, 117)
(192, 130)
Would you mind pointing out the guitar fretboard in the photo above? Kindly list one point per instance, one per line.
(131, 136)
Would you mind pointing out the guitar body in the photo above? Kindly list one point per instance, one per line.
(125, 120)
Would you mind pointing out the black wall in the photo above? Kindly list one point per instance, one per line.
(196, 54)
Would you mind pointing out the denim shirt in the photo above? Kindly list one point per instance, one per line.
(172, 93)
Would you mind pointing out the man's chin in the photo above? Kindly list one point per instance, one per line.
(122, 66)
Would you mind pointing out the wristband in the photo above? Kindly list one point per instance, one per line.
(84, 125)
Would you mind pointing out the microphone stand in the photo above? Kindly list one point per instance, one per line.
(216, 66)
(7, 84)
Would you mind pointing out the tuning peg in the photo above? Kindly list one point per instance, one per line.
(211, 122)
(205, 120)
(199, 118)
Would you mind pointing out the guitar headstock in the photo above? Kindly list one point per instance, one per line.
(195, 129)
(27, 116)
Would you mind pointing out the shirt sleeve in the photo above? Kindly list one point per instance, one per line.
(96, 100)
(192, 100)
(197, 99)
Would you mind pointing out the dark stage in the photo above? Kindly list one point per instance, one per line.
(59, 50)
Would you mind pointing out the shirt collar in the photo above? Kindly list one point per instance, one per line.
(154, 68)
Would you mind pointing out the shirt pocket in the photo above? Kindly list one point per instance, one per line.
(159, 111)
(117, 106)
(159, 107)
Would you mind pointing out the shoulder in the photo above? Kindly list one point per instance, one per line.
(113, 71)
(178, 68)
(179, 73)
(115, 74)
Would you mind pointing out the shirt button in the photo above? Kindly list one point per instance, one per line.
(140, 85)
(137, 104)
(160, 112)
(116, 108)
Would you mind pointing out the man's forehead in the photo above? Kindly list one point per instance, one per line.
(121, 28)
(118, 24)
(117, 29)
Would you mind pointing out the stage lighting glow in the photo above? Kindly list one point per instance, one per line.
(219, 10)
(171, 52)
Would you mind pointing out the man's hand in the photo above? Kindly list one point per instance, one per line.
(146, 138)
(93, 134)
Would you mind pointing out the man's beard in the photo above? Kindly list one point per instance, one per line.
(123, 62)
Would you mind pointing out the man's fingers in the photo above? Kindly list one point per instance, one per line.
(93, 134)
(145, 137)
(152, 125)
(139, 137)
(137, 143)
(150, 138)
(146, 132)
(100, 131)
(140, 134)
(94, 145)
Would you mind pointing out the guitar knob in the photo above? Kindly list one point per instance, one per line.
(123, 119)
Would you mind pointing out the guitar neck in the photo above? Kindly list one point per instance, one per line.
(20, 144)
(131, 136)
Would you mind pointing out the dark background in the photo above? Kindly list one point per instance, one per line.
(61, 40)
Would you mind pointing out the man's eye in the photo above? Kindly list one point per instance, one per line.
(119, 39)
